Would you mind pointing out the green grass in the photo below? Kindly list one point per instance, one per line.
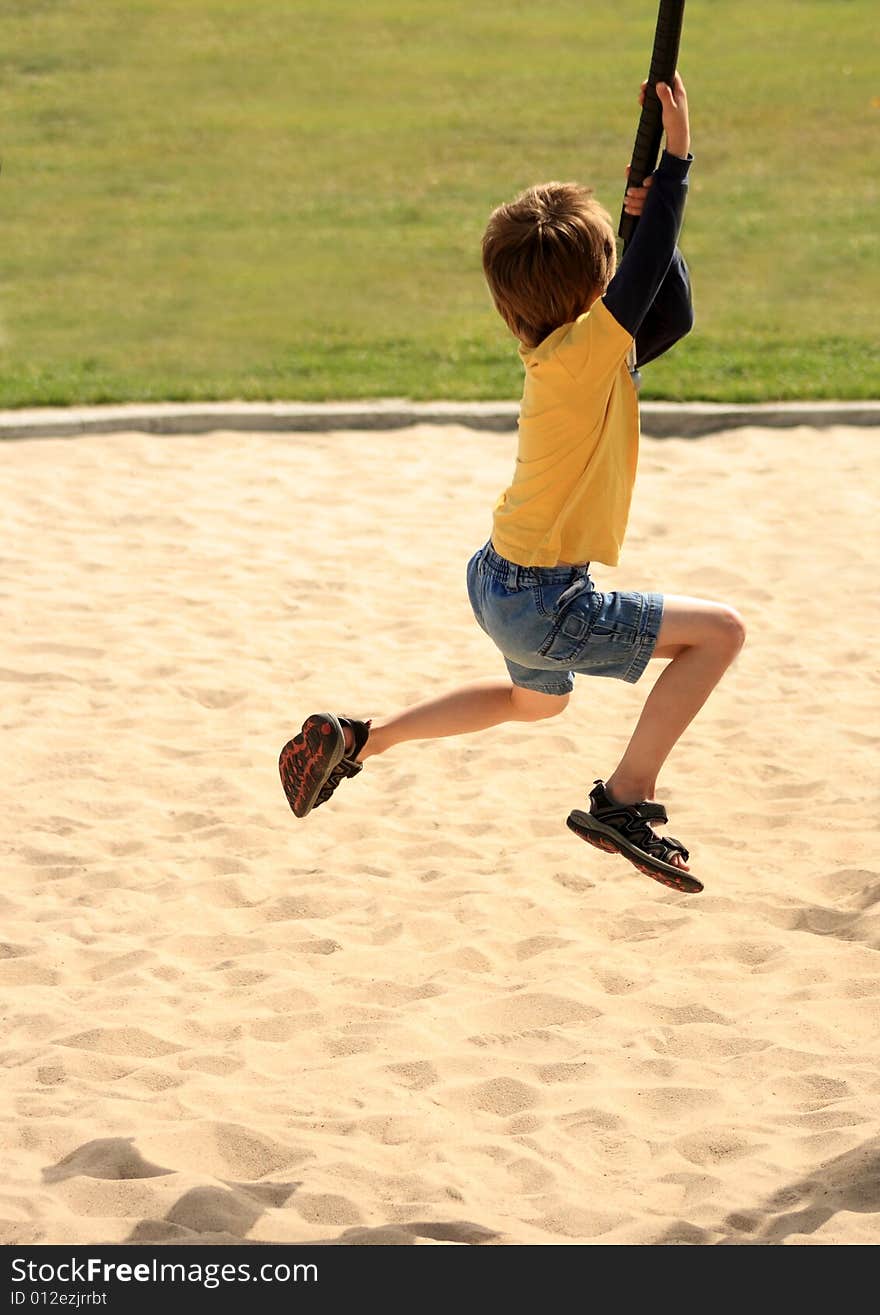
(263, 199)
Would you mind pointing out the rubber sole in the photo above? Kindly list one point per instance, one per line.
(307, 760)
(588, 828)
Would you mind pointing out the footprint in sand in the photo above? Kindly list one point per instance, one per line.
(532, 1176)
(224, 894)
(716, 1144)
(385, 935)
(205, 949)
(192, 821)
(120, 963)
(618, 983)
(677, 1015)
(534, 945)
(472, 960)
(522, 1012)
(284, 1029)
(292, 908)
(218, 1065)
(639, 929)
(121, 1041)
(755, 954)
(317, 946)
(213, 698)
(290, 1000)
(34, 677)
(240, 976)
(25, 972)
(340, 1047)
(666, 1103)
(811, 1090)
(503, 1096)
(594, 1125)
(50, 1075)
(65, 650)
(860, 988)
(562, 1072)
(860, 737)
(573, 881)
(63, 862)
(394, 994)
(795, 790)
(416, 1075)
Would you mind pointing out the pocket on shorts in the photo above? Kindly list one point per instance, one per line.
(590, 627)
(617, 622)
(573, 623)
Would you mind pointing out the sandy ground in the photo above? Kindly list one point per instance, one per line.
(428, 1012)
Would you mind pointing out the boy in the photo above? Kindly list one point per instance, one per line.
(549, 259)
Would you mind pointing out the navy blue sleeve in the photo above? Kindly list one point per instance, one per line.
(650, 253)
(670, 317)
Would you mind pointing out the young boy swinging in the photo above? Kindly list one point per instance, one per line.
(549, 258)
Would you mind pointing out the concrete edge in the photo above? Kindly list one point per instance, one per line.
(659, 419)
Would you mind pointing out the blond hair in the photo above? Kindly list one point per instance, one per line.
(546, 256)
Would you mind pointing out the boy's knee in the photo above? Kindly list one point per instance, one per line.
(532, 705)
(731, 629)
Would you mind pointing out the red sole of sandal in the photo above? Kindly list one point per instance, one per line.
(308, 759)
(682, 882)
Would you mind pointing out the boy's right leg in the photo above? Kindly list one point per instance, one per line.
(330, 748)
(469, 708)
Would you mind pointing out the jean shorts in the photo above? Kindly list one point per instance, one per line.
(551, 623)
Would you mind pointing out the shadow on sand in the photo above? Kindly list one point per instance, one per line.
(850, 1182)
(224, 1214)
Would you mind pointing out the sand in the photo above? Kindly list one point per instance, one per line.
(428, 1013)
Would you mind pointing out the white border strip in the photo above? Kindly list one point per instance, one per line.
(659, 419)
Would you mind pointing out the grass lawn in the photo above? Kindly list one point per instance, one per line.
(271, 199)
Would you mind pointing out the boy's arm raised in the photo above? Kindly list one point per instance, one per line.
(650, 253)
(671, 316)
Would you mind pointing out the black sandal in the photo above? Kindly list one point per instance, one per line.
(626, 829)
(314, 762)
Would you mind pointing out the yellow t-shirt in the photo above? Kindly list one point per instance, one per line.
(578, 448)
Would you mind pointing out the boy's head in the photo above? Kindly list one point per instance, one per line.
(547, 256)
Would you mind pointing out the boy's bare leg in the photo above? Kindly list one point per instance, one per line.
(469, 708)
(702, 639)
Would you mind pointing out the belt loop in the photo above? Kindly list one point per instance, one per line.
(513, 576)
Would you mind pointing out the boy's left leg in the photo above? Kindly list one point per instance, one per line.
(701, 639)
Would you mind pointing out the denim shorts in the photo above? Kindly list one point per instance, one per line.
(551, 623)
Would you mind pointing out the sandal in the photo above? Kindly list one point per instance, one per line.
(314, 762)
(626, 829)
